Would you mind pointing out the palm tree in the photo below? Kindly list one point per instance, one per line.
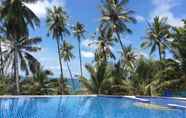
(166, 75)
(128, 58)
(178, 45)
(67, 55)
(98, 76)
(57, 21)
(17, 16)
(115, 17)
(157, 34)
(149, 78)
(79, 30)
(103, 51)
(17, 56)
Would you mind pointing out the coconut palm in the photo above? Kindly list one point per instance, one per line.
(128, 58)
(17, 17)
(178, 45)
(103, 51)
(157, 35)
(79, 31)
(154, 77)
(115, 17)
(179, 52)
(149, 78)
(166, 76)
(18, 56)
(67, 55)
(3, 37)
(95, 83)
(57, 21)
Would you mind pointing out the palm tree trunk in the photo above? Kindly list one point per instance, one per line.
(159, 50)
(1, 59)
(61, 69)
(164, 54)
(80, 59)
(71, 75)
(105, 57)
(16, 73)
(121, 44)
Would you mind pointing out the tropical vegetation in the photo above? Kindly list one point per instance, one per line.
(109, 73)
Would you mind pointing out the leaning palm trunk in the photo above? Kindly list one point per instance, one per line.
(61, 82)
(73, 85)
(16, 73)
(121, 44)
(80, 59)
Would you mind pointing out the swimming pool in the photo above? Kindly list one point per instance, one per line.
(88, 107)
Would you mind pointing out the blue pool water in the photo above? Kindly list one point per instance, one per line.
(87, 107)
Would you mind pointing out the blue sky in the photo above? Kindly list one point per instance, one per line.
(87, 12)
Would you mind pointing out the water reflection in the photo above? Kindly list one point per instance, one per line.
(81, 107)
(60, 108)
(92, 107)
(19, 108)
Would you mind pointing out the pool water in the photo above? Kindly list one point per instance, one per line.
(85, 107)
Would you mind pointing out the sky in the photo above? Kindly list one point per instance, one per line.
(87, 12)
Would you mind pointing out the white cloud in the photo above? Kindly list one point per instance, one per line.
(54, 67)
(39, 7)
(140, 54)
(87, 54)
(140, 18)
(163, 9)
(88, 43)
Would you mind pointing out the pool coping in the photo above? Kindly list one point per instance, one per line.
(114, 96)
(41, 96)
